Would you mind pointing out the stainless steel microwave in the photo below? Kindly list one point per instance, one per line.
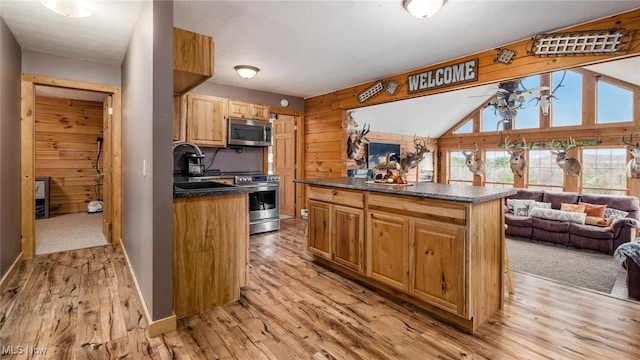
(249, 132)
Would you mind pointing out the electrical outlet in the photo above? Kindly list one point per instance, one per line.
(304, 213)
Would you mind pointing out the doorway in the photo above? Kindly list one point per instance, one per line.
(69, 167)
(62, 121)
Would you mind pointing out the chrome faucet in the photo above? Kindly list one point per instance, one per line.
(194, 146)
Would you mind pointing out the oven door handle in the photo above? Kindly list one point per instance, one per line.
(264, 188)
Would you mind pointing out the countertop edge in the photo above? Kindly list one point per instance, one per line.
(406, 190)
(213, 192)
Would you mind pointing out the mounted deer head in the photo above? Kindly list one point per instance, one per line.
(571, 166)
(351, 123)
(354, 146)
(545, 100)
(412, 159)
(517, 160)
(633, 166)
(475, 165)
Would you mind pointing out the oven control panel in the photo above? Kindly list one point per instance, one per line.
(256, 179)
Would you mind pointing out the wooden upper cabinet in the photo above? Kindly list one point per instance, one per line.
(241, 109)
(207, 120)
(192, 59)
(259, 112)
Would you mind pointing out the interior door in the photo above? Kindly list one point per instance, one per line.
(284, 161)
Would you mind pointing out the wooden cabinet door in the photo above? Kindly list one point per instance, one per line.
(239, 109)
(348, 237)
(319, 229)
(387, 249)
(259, 112)
(437, 276)
(207, 120)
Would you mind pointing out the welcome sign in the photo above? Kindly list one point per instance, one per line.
(443, 77)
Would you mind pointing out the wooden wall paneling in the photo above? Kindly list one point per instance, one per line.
(78, 122)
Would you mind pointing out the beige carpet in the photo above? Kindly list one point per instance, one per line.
(69, 232)
(571, 266)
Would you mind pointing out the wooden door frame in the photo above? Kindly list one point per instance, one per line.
(27, 153)
(299, 138)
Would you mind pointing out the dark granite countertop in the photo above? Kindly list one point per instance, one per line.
(228, 190)
(460, 193)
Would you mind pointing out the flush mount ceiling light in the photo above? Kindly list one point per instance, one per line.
(422, 8)
(68, 8)
(246, 71)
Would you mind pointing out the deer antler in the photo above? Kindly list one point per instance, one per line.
(560, 84)
(630, 143)
(507, 142)
(570, 145)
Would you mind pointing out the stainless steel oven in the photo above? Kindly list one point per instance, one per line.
(264, 202)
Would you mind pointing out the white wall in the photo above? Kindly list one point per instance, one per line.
(37, 63)
(10, 242)
(146, 133)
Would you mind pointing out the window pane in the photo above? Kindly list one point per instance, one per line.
(458, 169)
(529, 116)
(615, 104)
(491, 119)
(603, 170)
(467, 128)
(566, 106)
(497, 168)
(543, 170)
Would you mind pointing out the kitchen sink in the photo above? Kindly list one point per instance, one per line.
(201, 185)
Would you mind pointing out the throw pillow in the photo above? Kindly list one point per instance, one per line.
(519, 207)
(593, 209)
(538, 205)
(553, 214)
(572, 207)
(615, 213)
(598, 221)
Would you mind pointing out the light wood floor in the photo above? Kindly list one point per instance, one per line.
(80, 304)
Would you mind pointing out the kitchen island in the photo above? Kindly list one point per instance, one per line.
(439, 247)
(210, 245)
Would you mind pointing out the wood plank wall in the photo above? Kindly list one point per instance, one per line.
(66, 147)
(325, 140)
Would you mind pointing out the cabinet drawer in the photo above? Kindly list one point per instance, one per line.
(337, 196)
(438, 210)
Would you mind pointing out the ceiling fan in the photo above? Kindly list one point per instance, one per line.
(511, 96)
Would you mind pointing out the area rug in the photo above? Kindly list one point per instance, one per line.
(69, 232)
(576, 267)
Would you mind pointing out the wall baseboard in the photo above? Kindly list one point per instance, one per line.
(162, 326)
(6, 279)
(157, 327)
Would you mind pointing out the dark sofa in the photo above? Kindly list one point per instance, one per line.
(600, 238)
